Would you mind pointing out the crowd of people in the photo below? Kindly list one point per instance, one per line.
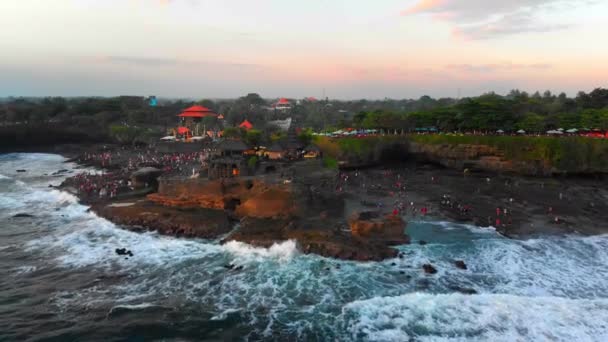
(390, 192)
(117, 166)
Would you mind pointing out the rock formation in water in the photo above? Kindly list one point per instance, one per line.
(271, 209)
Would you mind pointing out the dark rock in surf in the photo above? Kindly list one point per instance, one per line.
(123, 251)
(429, 269)
(464, 290)
(23, 215)
(422, 242)
(460, 264)
(21, 170)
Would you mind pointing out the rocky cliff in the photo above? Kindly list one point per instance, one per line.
(302, 205)
(523, 155)
(477, 158)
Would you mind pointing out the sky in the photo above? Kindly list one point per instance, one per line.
(343, 49)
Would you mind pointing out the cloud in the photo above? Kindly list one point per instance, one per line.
(140, 61)
(488, 68)
(484, 19)
(510, 24)
(162, 62)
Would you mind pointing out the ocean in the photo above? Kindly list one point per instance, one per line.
(60, 280)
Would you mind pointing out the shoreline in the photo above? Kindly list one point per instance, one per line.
(531, 203)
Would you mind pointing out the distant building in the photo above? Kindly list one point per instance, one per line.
(152, 102)
(283, 125)
(246, 125)
(229, 160)
(283, 105)
(192, 117)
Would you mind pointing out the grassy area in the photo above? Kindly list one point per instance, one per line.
(572, 154)
(359, 147)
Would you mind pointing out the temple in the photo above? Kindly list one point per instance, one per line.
(191, 121)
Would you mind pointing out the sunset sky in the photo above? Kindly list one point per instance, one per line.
(350, 48)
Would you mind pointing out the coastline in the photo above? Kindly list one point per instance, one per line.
(532, 203)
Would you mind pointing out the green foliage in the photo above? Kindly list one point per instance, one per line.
(277, 136)
(253, 137)
(127, 134)
(571, 154)
(233, 132)
(306, 136)
(252, 162)
(330, 163)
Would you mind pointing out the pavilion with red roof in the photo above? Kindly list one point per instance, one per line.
(282, 104)
(246, 125)
(192, 116)
(197, 112)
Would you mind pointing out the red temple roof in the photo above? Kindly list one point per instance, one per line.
(283, 100)
(197, 109)
(246, 125)
(197, 112)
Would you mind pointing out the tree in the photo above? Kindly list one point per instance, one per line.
(253, 137)
(233, 132)
(532, 122)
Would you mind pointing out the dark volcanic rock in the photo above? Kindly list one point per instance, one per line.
(464, 290)
(203, 223)
(23, 215)
(429, 269)
(123, 251)
(316, 237)
(372, 225)
(21, 170)
(460, 264)
(146, 176)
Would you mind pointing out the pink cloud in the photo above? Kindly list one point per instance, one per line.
(423, 6)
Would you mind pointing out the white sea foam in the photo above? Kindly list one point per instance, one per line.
(24, 269)
(95, 244)
(4, 177)
(283, 251)
(140, 306)
(455, 317)
(452, 226)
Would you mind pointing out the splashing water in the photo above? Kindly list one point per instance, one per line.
(60, 266)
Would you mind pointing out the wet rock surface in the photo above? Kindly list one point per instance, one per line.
(145, 215)
(460, 264)
(429, 269)
(268, 212)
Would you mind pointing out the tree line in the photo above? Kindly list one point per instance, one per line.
(489, 112)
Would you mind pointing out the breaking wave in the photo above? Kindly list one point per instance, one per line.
(551, 288)
(486, 317)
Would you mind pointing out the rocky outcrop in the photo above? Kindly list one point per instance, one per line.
(460, 264)
(145, 177)
(317, 236)
(429, 269)
(477, 158)
(145, 215)
(371, 225)
(245, 198)
(304, 208)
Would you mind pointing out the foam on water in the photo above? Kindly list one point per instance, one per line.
(542, 289)
(453, 226)
(487, 317)
(94, 242)
(283, 251)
